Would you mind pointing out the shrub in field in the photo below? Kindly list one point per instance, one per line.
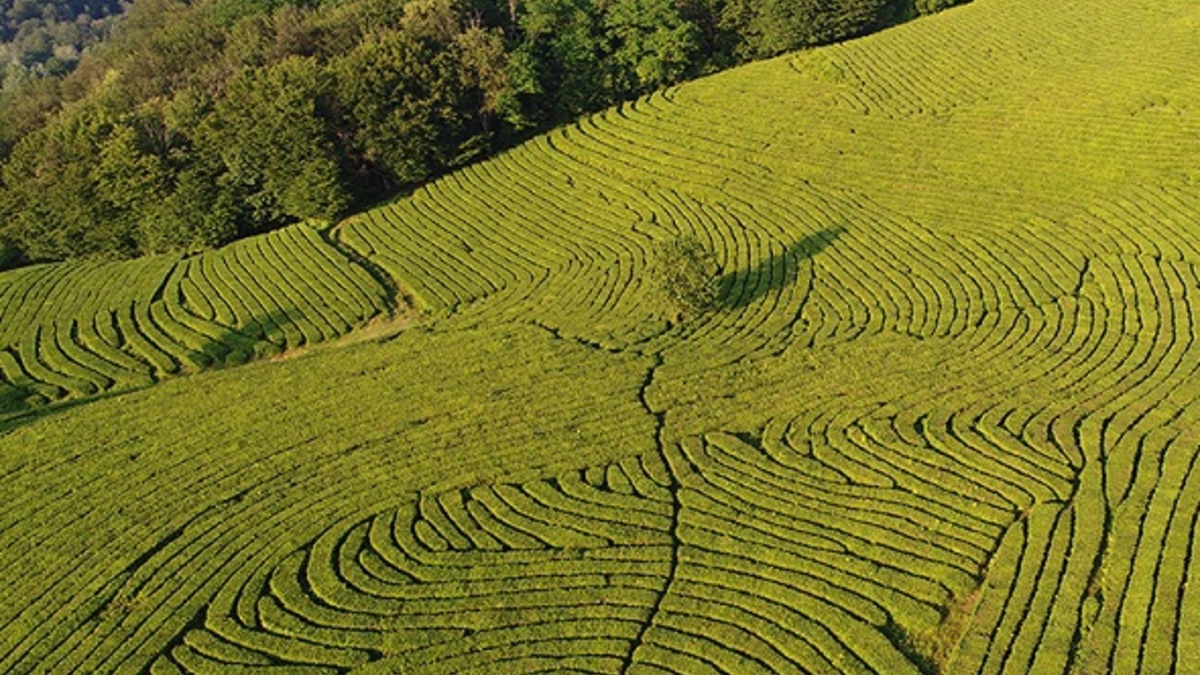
(687, 275)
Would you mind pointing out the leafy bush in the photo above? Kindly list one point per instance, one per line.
(687, 275)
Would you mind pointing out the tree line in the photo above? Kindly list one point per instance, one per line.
(199, 122)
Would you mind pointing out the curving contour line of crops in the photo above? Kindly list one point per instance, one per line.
(944, 419)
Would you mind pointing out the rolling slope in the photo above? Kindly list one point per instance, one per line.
(945, 419)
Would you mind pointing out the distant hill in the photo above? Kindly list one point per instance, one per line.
(942, 419)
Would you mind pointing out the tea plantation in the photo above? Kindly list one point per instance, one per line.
(945, 417)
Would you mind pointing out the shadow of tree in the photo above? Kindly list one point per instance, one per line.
(14, 399)
(21, 414)
(742, 287)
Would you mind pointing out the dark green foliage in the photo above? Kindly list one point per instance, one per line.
(275, 140)
(764, 28)
(78, 187)
(483, 70)
(562, 48)
(197, 214)
(204, 121)
(687, 275)
(403, 97)
(653, 45)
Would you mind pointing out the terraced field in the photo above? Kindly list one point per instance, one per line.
(71, 331)
(946, 418)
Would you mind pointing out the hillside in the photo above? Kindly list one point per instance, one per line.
(945, 420)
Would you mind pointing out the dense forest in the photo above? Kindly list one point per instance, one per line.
(46, 37)
(195, 123)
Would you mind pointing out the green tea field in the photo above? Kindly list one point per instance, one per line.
(945, 417)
